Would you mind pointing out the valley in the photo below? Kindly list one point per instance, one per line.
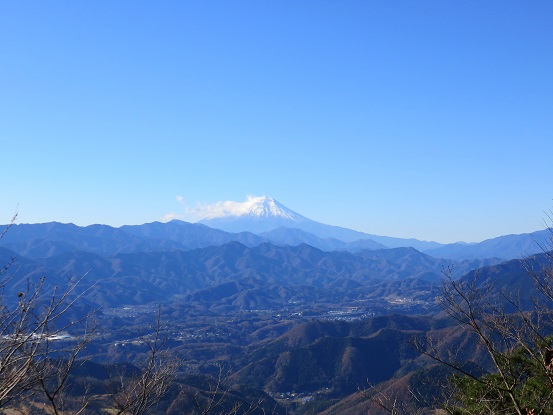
(276, 207)
(301, 328)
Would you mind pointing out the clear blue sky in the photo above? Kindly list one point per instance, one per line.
(426, 119)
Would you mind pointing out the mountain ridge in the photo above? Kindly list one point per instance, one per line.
(256, 221)
(265, 214)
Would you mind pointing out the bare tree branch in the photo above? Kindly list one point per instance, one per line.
(139, 393)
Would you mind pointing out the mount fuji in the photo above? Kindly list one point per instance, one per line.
(256, 215)
(263, 214)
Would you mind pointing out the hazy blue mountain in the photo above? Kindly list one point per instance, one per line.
(137, 278)
(505, 247)
(192, 235)
(404, 260)
(514, 279)
(294, 236)
(46, 239)
(21, 266)
(49, 239)
(265, 214)
(362, 245)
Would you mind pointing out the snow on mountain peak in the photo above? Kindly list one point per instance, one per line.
(266, 207)
(261, 207)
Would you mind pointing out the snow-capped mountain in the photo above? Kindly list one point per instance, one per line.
(262, 214)
(267, 207)
(256, 214)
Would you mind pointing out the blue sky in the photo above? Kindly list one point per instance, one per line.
(426, 119)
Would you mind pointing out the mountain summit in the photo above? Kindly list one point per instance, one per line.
(259, 214)
(256, 214)
(267, 207)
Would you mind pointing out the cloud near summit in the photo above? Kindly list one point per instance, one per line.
(214, 210)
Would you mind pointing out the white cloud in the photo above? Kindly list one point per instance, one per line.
(214, 210)
(226, 208)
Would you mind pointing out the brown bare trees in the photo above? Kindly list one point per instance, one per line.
(138, 393)
(40, 346)
(515, 338)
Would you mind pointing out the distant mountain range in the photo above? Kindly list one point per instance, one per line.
(264, 220)
(274, 221)
(505, 247)
(240, 276)
(266, 214)
(285, 301)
